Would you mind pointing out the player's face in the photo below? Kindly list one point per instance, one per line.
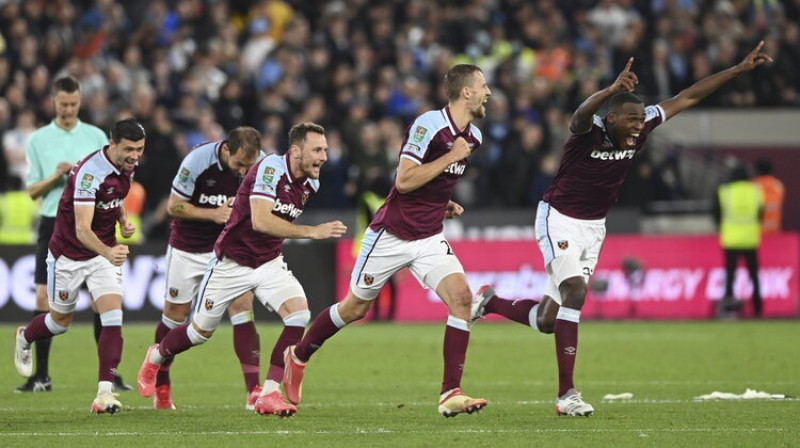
(627, 124)
(240, 162)
(313, 154)
(479, 94)
(67, 106)
(126, 154)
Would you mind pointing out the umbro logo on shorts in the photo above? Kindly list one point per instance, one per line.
(563, 244)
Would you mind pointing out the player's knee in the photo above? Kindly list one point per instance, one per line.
(545, 325)
(573, 292)
(58, 324)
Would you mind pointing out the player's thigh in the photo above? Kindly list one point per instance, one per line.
(224, 281)
(242, 304)
(381, 255)
(64, 279)
(276, 284)
(103, 278)
(557, 235)
(184, 271)
(434, 261)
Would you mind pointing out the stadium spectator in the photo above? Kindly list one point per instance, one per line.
(738, 210)
(84, 249)
(200, 204)
(407, 232)
(154, 53)
(248, 260)
(51, 152)
(570, 220)
(774, 192)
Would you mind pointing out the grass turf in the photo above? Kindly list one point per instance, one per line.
(377, 385)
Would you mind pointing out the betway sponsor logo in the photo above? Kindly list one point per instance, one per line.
(286, 209)
(116, 203)
(613, 155)
(456, 168)
(212, 199)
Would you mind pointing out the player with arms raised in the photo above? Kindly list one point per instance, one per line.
(570, 220)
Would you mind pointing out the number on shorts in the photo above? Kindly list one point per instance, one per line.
(449, 249)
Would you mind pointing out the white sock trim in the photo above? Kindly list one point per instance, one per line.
(456, 322)
(569, 314)
(53, 326)
(169, 323)
(242, 318)
(269, 387)
(111, 318)
(104, 387)
(532, 317)
(298, 319)
(194, 336)
(337, 320)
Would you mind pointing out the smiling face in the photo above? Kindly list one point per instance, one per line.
(477, 95)
(626, 123)
(126, 154)
(308, 157)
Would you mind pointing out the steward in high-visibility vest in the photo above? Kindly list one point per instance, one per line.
(17, 215)
(741, 203)
(738, 211)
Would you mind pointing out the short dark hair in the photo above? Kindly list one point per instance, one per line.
(616, 101)
(763, 166)
(297, 135)
(458, 77)
(127, 128)
(244, 137)
(66, 84)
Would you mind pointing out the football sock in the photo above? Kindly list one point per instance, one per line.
(290, 335)
(456, 338)
(37, 329)
(327, 324)
(98, 328)
(247, 346)
(109, 351)
(566, 336)
(42, 353)
(164, 326)
(178, 340)
(516, 310)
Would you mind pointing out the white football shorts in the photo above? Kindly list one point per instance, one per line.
(185, 270)
(570, 246)
(66, 276)
(382, 254)
(225, 281)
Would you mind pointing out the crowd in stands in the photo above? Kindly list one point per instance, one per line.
(193, 69)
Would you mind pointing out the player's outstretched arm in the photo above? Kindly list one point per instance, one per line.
(265, 222)
(708, 85)
(582, 118)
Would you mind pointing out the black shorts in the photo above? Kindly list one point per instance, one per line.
(46, 226)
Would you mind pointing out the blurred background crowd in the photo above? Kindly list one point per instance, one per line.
(192, 69)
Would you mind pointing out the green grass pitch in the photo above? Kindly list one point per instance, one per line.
(377, 385)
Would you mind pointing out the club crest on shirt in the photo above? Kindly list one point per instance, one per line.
(563, 244)
(86, 181)
(183, 176)
(306, 194)
(63, 295)
(173, 292)
(209, 304)
(419, 134)
(368, 279)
